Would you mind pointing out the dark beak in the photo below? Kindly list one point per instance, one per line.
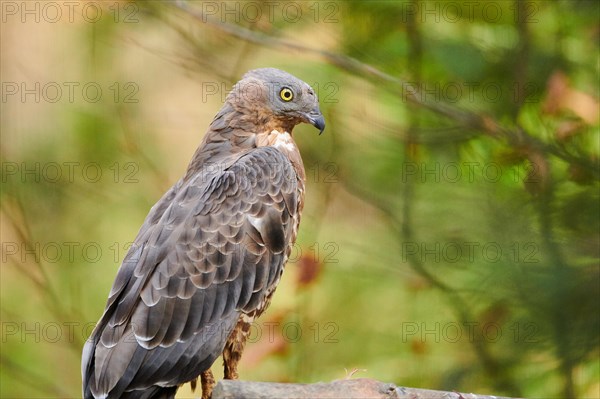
(316, 119)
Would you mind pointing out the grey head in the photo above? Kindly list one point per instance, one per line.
(271, 90)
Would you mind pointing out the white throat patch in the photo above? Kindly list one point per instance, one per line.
(282, 141)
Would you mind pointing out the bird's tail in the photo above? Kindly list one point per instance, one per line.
(154, 392)
(87, 367)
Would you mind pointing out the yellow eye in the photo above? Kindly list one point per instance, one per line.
(286, 94)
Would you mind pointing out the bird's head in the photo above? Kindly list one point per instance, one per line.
(276, 99)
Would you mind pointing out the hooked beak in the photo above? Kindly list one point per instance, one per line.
(316, 119)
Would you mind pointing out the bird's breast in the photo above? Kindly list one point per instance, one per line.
(284, 142)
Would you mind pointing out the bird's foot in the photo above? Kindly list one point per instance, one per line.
(230, 371)
(207, 380)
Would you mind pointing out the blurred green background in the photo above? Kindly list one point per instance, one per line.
(450, 238)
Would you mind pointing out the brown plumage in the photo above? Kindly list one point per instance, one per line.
(210, 253)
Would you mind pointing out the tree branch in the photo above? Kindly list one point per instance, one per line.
(362, 388)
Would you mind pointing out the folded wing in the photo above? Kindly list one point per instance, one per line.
(213, 247)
